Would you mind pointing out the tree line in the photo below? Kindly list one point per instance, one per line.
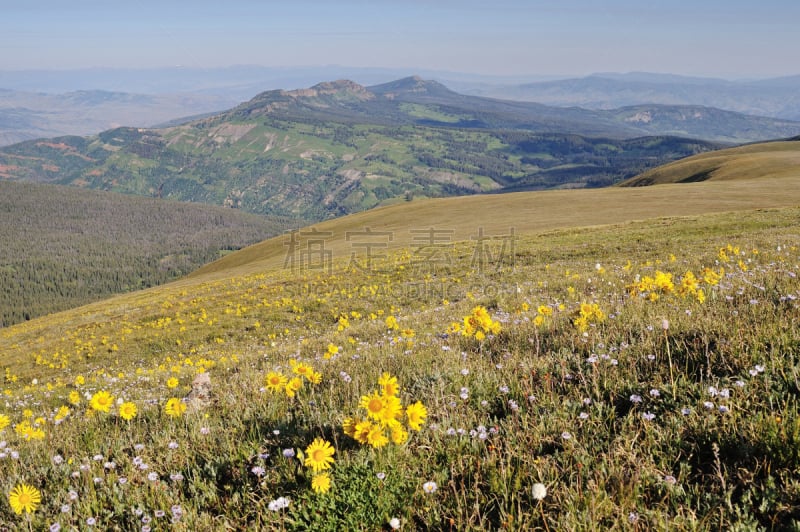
(62, 247)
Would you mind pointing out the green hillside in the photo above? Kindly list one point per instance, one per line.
(339, 148)
(63, 247)
(770, 159)
(596, 366)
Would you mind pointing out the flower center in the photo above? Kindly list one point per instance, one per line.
(375, 405)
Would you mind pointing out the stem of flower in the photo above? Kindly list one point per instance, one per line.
(669, 359)
(544, 519)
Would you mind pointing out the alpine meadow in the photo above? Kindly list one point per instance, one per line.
(476, 363)
(509, 266)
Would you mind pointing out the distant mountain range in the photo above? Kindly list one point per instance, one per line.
(778, 97)
(240, 81)
(32, 115)
(339, 147)
(37, 104)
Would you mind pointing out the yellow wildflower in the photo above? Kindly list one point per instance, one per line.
(416, 414)
(101, 401)
(174, 407)
(24, 498)
(127, 411)
(319, 455)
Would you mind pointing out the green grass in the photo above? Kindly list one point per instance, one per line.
(542, 400)
(429, 113)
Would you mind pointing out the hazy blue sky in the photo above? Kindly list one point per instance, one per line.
(728, 38)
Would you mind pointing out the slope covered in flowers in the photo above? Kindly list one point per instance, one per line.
(640, 376)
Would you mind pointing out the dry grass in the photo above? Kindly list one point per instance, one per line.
(769, 159)
(527, 213)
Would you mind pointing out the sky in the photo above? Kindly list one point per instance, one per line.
(733, 39)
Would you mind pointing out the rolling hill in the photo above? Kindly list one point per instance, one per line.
(461, 218)
(770, 159)
(340, 147)
(63, 247)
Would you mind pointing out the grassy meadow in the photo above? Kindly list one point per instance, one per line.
(773, 159)
(642, 374)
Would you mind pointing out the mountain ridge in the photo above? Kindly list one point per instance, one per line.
(775, 97)
(339, 147)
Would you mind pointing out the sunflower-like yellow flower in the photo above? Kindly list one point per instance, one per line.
(293, 386)
(302, 369)
(24, 498)
(174, 407)
(127, 411)
(376, 437)
(63, 412)
(388, 385)
(101, 401)
(74, 397)
(321, 483)
(712, 278)
(332, 351)
(392, 411)
(589, 313)
(276, 382)
(689, 284)
(319, 455)
(416, 414)
(663, 282)
(361, 431)
(399, 434)
(373, 404)
(479, 323)
(349, 426)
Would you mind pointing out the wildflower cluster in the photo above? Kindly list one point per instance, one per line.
(100, 401)
(478, 324)
(29, 431)
(278, 382)
(385, 414)
(137, 460)
(660, 284)
(588, 314)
